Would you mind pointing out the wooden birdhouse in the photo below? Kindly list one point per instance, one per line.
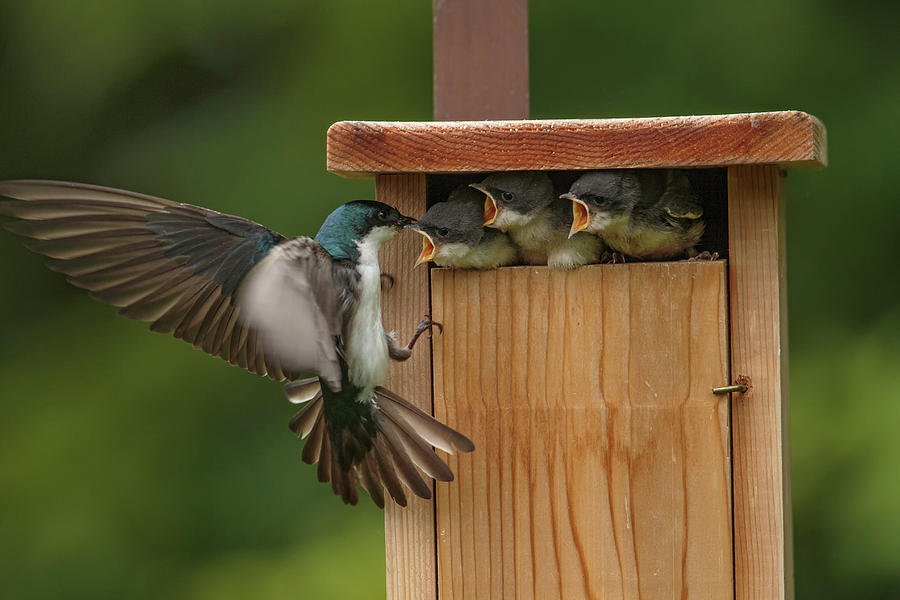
(605, 466)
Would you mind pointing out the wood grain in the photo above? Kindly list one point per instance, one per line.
(762, 497)
(408, 532)
(602, 465)
(480, 59)
(789, 138)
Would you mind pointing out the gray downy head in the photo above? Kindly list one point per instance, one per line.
(514, 194)
(599, 198)
(452, 226)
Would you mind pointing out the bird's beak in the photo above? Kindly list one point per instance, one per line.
(405, 221)
(428, 248)
(581, 214)
(491, 210)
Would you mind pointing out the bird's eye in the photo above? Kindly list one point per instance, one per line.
(443, 231)
(507, 196)
(382, 214)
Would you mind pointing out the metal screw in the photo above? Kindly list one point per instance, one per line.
(728, 389)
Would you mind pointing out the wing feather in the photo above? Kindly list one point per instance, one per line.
(287, 298)
(183, 269)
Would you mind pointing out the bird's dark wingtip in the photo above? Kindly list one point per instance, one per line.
(463, 444)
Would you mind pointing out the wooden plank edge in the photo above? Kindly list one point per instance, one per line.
(790, 139)
(761, 484)
(410, 561)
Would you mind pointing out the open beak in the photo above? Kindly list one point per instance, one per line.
(428, 248)
(491, 210)
(581, 214)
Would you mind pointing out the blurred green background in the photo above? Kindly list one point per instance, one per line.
(132, 466)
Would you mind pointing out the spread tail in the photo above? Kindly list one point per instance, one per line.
(385, 444)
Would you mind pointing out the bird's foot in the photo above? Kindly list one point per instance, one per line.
(706, 255)
(610, 257)
(387, 281)
(425, 324)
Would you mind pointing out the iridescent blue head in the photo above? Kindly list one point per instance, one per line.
(358, 223)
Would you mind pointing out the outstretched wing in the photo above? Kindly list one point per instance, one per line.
(292, 295)
(175, 265)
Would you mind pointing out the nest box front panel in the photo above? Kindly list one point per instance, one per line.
(603, 463)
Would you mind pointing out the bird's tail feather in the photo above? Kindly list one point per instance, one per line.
(391, 460)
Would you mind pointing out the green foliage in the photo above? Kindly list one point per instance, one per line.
(133, 466)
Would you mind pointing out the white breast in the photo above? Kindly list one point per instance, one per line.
(533, 235)
(365, 345)
(568, 253)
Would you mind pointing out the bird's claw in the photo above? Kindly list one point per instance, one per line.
(425, 324)
(706, 255)
(387, 281)
(610, 257)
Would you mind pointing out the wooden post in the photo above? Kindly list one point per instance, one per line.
(480, 60)
(602, 458)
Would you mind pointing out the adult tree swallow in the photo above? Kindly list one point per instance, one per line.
(275, 306)
(650, 214)
(524, 205)
(453, 235)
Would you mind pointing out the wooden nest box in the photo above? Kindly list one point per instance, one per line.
(605, 466)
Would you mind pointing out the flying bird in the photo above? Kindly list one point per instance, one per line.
(648, 215)
(276, 306)
(453, 234)
(524, 205)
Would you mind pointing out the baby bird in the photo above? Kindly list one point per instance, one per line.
(453, 236)
(649, 215)
(524, 205)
